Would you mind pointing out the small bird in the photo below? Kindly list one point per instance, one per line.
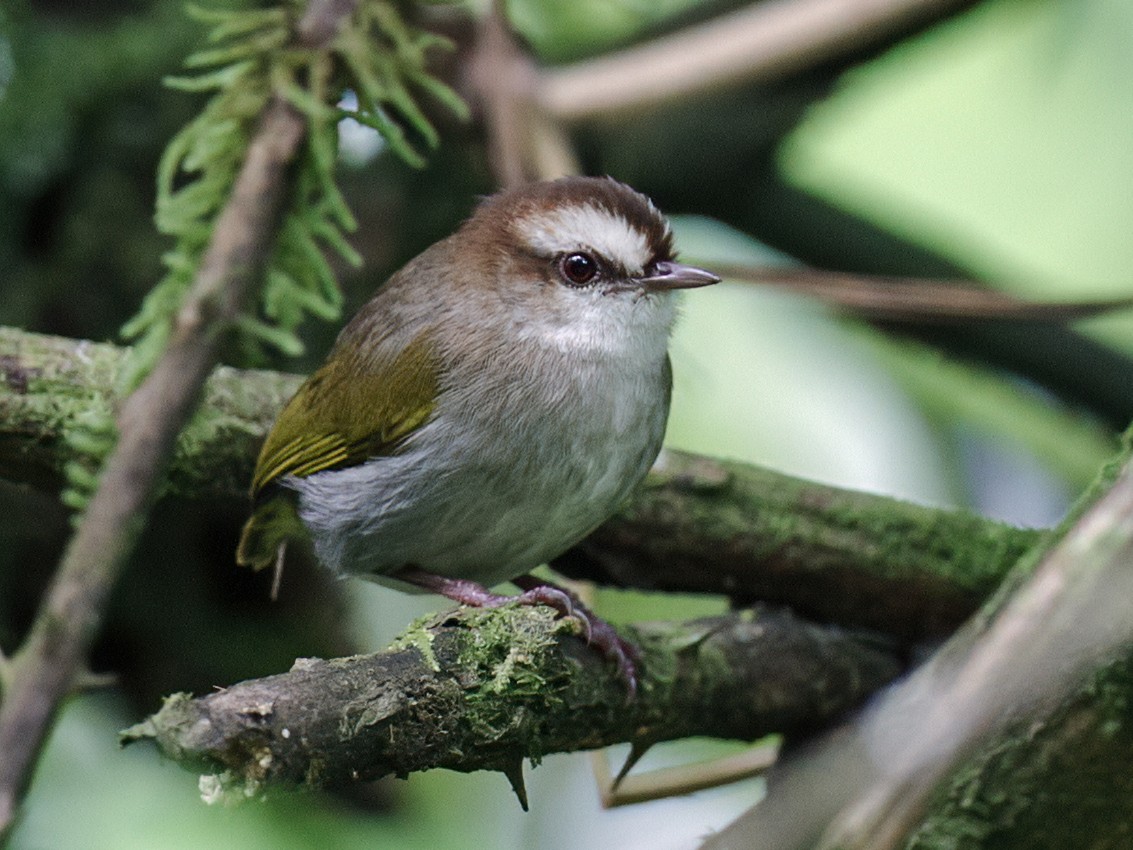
(496, 401)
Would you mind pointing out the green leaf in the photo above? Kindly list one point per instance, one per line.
(221, 78)
(284, 340)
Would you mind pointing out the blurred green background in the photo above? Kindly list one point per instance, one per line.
(995, 144)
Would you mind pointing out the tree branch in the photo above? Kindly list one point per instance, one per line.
(917, 299)
(500, 74)
(47, 383)
(485, 689)
(833, 555)
(523, 141)
(526, 108)
(697, 525)
(754, 44)
(1041, 680)
(46, 667)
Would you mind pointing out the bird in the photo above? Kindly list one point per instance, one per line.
(497, 399)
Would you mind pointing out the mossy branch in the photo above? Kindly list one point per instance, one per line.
(486, 689)
(834, 555)
(1015, 734)
(47, 665)
(226, 223)
(697, 525)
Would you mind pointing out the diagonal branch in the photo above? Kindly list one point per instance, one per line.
(754, 44)
(1030, 654)
(526, 108)
(485, 689)
(46, 667)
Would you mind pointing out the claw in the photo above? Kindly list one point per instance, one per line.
(596, 631)
(549, 595)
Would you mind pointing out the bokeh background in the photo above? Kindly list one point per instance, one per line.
(995, 144)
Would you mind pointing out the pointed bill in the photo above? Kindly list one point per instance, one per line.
(669, 275)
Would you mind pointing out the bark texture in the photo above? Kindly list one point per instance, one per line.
(486, 689)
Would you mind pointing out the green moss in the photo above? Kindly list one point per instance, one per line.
(509, 651)
(418, 636)
(1054, 783)
(1059, 781)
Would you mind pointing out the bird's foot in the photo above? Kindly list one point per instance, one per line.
(536, 591)
(597, 632)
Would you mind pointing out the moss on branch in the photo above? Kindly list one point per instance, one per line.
(485, 689)
(835, 555)
(49, 384)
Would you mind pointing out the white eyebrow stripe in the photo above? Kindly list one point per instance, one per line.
(585, 226)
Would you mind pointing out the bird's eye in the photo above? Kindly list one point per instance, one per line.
(578, 268)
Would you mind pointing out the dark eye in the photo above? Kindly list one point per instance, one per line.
(578, 268)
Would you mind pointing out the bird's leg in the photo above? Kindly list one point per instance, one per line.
(536, 591)
(475, 595)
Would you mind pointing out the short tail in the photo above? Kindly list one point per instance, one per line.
(273, 522)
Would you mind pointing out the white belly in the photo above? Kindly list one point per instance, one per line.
(492, 486)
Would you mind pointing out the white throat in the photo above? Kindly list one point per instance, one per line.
(630, 330)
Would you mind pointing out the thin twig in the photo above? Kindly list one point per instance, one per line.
(757, 43)
(682, 779)
(552, 154)
(47, 666)
(912, 299)
(524, 142)
(501, 75)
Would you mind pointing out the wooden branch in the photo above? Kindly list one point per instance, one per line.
(697, 525)
(47, 383)
(1041, 679)
(500, 75)
(526, 108)
(833, 555)
(757, 43)
(523, 141)
(485, 689)
(45, 668)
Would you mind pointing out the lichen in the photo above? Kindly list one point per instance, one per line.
(227, 788)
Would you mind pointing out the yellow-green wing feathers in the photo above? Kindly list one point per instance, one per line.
(271, 524)
(348, 411)
(357, 406)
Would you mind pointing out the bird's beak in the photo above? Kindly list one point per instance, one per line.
(666, 275)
